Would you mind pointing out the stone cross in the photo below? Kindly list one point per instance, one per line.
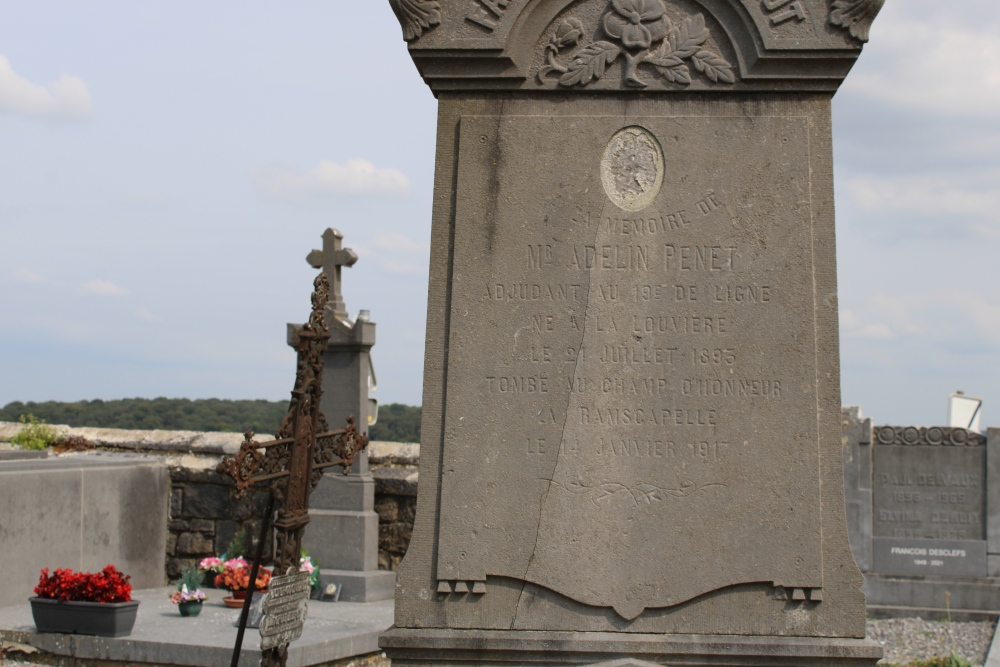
(331, 259)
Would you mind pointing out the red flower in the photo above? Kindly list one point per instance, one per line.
(108, 585)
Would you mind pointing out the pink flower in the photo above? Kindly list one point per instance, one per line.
(235, 563)
(307, 565)
(637, 23)
(210, 564)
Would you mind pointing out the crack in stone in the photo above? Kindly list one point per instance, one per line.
(562, 437)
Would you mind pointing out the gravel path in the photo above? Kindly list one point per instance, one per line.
(909, 639)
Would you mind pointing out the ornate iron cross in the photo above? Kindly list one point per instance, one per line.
(294, 461)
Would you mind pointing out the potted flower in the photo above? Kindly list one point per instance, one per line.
(84, 603)
(235, 577)
(210, 568)
(306, 564)
(188, 597)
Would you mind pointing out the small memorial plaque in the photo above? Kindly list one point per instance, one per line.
(284, 610)
(934, 557)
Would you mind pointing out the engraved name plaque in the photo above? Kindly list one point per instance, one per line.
(628, 386)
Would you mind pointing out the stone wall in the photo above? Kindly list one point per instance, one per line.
(394, 467)
(205, 512)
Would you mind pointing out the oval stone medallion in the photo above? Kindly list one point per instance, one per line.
(632, 168)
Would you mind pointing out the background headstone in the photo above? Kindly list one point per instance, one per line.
(921, 515)
(630, 438)
(343, 533)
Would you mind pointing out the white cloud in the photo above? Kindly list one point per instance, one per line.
(103, 288)
(938, 60)
(853, 326)
(27, 277)
(356, 177)
(925, 195)
(400, 254)
(402, 244)
(948, 316)
(67, 97)
(404, 267)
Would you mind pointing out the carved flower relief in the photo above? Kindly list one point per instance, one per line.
(637, 23)
(567, 33)
(640, 32)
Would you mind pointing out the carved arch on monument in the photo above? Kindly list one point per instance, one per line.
(776, 45)
(730, 19)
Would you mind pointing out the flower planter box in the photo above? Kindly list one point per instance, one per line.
(107, 619)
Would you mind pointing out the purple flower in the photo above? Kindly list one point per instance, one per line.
(637, 23)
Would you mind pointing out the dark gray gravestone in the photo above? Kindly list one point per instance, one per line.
(343, 535)
(919, 502)
(630, 444)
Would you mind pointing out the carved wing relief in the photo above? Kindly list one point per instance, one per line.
(416, 16)
(855, 16)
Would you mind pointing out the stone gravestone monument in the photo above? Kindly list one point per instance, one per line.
(343, 538)
(924, 517)
(631, 439)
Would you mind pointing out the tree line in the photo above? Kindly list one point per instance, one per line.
(396, 422)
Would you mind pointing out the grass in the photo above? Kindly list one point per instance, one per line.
(35, 435)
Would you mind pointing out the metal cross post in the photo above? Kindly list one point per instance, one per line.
(293, 464)
(331, 259)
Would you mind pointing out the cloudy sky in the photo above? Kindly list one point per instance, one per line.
(166, 166)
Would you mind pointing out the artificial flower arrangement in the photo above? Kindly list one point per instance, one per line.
(188, 596)
(211, 564)
(306, 564)
(98, 603)
(107, 586)
(236, 577)
(184, 595)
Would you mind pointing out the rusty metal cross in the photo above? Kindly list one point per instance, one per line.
(331, 259)
(293, 464)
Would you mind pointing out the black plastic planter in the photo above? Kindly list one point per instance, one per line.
(104, 619)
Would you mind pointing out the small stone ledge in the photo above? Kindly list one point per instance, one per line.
(192, 442)
(381, 452)
(395, 481)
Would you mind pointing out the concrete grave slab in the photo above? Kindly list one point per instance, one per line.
(161, 636)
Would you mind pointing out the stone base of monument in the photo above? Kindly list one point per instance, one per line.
(357, 586)
(343, 533)
(333, 631)
(932, 598)
(426, 647)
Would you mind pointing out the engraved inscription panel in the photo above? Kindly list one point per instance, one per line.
(929, 492)
(631, 395)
